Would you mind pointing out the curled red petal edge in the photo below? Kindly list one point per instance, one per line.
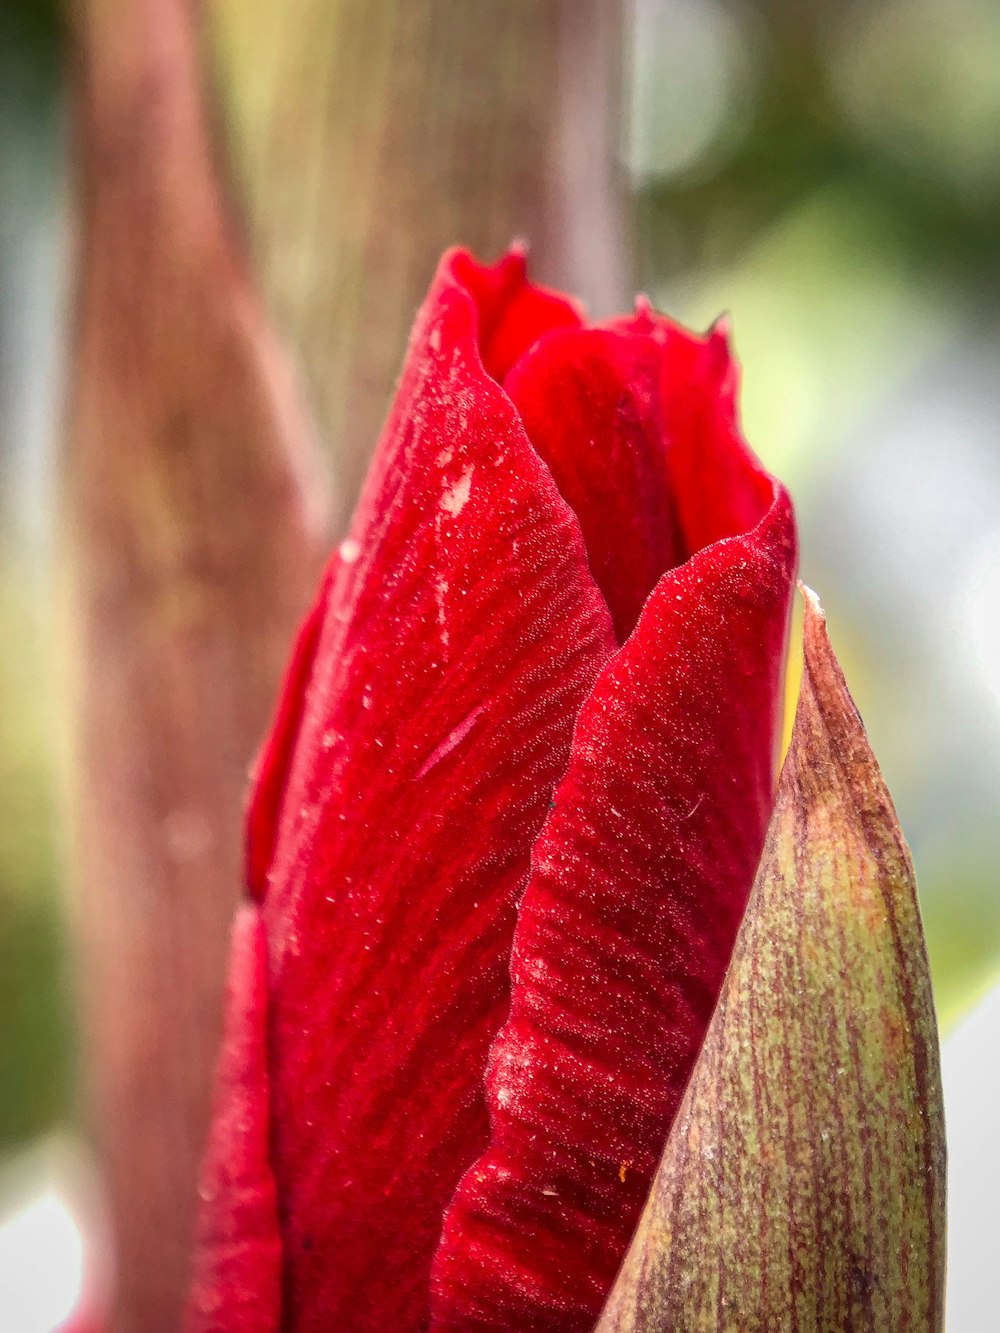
(269, 777)
(236, 1286)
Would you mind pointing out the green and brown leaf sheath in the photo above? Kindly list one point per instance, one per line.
(803, 1183)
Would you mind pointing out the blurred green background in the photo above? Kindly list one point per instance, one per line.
(828, 173)
(35, 1040)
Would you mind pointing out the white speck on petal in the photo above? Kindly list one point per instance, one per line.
(455, 497)
(440, 594)
(349, 551)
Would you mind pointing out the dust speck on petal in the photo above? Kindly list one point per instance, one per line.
(454, 738)
(440, 596)
(454, 499)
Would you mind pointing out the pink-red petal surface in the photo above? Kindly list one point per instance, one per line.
(461, 634)
(238, 1269)
(638, 883)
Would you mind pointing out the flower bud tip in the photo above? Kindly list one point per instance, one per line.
(721, 329)
(811, 600)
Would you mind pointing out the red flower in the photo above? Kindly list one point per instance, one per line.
(503, 832)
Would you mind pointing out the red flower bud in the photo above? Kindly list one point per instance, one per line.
(503, 832)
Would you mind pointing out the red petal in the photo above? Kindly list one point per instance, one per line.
(270, 773)
(513, 313)
(638, 883)
(463, 632)
(237, 1281)
(590, 402)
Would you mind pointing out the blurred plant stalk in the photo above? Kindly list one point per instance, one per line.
(195, 522)
(369, 135)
